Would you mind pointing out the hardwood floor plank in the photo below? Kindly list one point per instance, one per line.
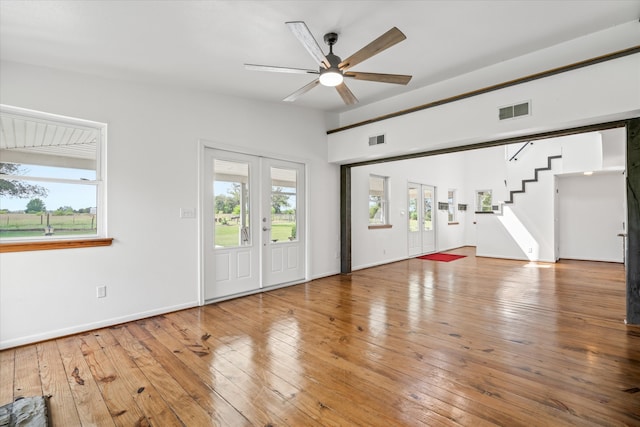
(474, 342)
(185, 408)
(529, 360)
(90, 404)
(261, 406)
(277, 377)
(153, 406)
(26, 382)
(220, 411)
(116, 390)
(62, 407)
(7, 371)
(327, 374)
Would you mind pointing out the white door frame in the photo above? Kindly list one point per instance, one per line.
(420, 209)
(203, 145)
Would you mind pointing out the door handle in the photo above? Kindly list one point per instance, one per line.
(265, 228)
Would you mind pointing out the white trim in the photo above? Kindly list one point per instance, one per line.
(30, 339)
(100, 182)
(53, 118)
(203, 145)
(255, 291)
(206, 143)
(383, 262)
(323, 275)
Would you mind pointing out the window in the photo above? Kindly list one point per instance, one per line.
(378, 203)
(51, 185)
(427, 195)
(483, 201)
(452, 205)
(284, 204)
(231, 197)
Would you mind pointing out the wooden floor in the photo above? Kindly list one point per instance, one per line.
(472, 342)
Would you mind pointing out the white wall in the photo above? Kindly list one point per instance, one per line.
(152, 171)
(590, 46)
(524, 230)
(484, 169)
(591, 215)
(614, 148)
(594, 94)
(378, 246)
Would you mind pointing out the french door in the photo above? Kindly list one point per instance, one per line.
(421, 235)
(253, 223)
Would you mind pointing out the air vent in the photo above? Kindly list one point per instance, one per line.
(376, 140)
(513, 111)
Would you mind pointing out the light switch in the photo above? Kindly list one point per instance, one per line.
(187, 213)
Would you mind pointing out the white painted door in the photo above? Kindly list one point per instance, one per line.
(428, 219)
(413, 217)
(421, 221)
(283, 247)
(231, 227)
(253, 223)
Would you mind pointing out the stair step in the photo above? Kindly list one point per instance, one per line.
(535, 179)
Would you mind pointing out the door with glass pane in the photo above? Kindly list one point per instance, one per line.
(421, 234)
(253, 223)
(231, 221)
(282, 220)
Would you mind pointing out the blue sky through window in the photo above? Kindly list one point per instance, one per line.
(77, 196)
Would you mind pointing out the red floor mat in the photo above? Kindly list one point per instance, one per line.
(441, 257)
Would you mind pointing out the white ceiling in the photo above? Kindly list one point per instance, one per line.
(204, 44)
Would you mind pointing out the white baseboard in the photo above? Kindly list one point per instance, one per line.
(322, 275)
(375, 264)
(30, 339)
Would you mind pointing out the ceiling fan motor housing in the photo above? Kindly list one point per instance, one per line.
(332, 75)
(330, 72)
(331, 39)
(334, 60)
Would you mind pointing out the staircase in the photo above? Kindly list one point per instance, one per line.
(535, 178)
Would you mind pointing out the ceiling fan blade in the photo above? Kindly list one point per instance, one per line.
(399, 79)
(304, 89)
(302, 33)
(347, 96)
(254, 67)
(383, 42)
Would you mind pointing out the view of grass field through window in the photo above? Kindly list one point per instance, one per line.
(232, 204)
(32, 208)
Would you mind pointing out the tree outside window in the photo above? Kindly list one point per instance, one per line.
(378, 203)
(483, 201)
(452, 205)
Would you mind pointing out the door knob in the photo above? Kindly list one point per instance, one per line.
(265, 228)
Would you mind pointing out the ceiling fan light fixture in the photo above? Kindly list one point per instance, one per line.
(331, 77)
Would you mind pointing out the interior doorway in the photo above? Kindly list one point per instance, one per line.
(591, 216)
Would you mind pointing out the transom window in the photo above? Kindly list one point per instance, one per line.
(51, 182)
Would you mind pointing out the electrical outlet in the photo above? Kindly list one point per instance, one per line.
(530, 250)
(101, 291)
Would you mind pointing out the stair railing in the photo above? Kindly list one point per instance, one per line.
(515, 156)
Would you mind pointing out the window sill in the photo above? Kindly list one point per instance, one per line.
(54, 244)
(375, 227)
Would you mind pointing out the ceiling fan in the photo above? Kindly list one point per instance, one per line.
(332, 70)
